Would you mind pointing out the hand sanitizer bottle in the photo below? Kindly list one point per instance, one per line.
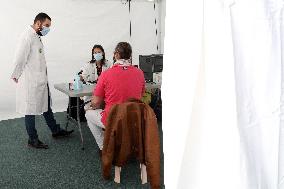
(77, 83)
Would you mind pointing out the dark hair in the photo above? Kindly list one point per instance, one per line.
(102, 49)
(41, 17)
(124, 50)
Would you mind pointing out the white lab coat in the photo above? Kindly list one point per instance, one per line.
(90, 71)
(31, 71)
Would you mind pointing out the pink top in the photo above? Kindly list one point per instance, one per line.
(118, 84)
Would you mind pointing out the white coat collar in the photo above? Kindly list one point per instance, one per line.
(30, 28)
(123, 62)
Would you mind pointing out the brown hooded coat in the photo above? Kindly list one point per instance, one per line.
(132, 131)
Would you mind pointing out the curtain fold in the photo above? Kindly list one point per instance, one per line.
(258, 78)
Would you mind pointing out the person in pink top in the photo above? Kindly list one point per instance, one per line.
(115, 85)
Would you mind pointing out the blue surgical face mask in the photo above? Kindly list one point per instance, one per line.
(44, 30)
(98, 56)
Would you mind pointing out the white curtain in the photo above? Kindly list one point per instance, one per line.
(211, 156)
(256, 34)
(233, 135)
(182, 59)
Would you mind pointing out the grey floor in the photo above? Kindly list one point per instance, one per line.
(63, 165)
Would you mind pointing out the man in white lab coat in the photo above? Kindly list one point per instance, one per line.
(30, 74)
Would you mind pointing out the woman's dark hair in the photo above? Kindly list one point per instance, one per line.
(102, 49)
(41, 17)
(124, 50)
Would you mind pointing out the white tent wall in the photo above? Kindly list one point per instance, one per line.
(76, 27)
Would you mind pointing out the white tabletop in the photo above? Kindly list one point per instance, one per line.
(88, 89)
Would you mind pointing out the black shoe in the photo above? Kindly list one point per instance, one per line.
(37, 144)
(62, 133)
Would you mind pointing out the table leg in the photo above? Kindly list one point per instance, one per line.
(68, 113)
(79, 122)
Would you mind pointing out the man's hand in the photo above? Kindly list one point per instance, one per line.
(96, 102)
(81, 78)
(15, 80)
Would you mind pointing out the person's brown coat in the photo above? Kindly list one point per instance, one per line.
(132, 131)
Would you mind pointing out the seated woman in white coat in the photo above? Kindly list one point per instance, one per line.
(91, 71)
